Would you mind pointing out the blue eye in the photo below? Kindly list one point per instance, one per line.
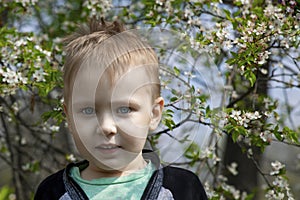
(88, 111)
(124, 110)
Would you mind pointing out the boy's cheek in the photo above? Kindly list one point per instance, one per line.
(133, 130)
(81, 146)
(83, 126)
(133, 144)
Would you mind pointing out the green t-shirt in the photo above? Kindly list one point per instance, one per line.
(130, 186)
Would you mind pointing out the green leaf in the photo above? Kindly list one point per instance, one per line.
(277, 133)
(237, 13)
(290, 134)
(250, 76)
(5, 191)
(250, 196)
(227, 13)
(168, 119)
(56, 115)
(193, 153)
(173, 99)
(176, 71)
(169, 123)
(235, 131)
(231, 61)
(175, 92)
(235, 136)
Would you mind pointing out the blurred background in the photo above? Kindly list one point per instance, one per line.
(230, 77)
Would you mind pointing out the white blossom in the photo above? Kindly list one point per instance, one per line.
(232, 168)
(236, 114)
(228, 44)
(188, 12)
(70, 157)
(263, 57)
(250, 152)
(272, 195)
(94, 5)
(265, 136)
(20, 42)
(12, 77)
(235, 192)
(244, 118)
(245, 2)
(27, 2)
(23, 141)
(45, 52)
(276, 167)
(264, 71)
(285, 43)
(39, 75)
(189, 74)
(270, 10)
(12, 196)
(54, 128)
(209, 191)
(159, 2)
(210, 153)
(195, 44)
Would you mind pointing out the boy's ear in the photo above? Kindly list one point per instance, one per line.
(156, 113)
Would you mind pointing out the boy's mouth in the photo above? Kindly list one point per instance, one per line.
(107, 146)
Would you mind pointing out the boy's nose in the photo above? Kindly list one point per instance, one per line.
(107, 125)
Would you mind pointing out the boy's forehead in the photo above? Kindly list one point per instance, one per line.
(90, 82)
(131, 81)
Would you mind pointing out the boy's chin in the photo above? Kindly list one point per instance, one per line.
(112, 169)
(132, 163)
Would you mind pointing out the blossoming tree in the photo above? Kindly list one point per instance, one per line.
(223, 65)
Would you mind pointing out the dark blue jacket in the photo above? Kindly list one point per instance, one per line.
(180, 183)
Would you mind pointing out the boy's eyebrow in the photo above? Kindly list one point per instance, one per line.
(126, 101)
(80, 103)
(116, 102)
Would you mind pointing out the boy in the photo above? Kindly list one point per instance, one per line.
(112, 100)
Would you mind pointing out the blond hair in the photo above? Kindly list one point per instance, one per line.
(112, 48)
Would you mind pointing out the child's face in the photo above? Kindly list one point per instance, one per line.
(110, 123)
